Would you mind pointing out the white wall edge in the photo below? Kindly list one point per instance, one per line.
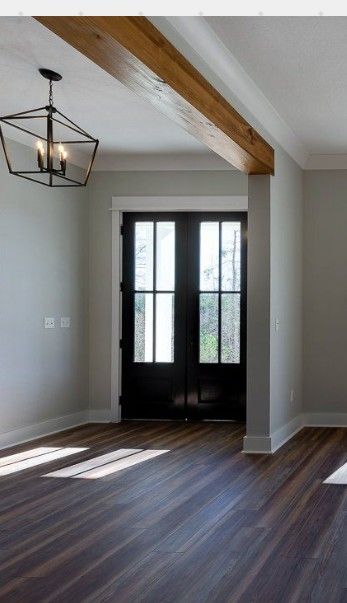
(116, 324)
(44, 428)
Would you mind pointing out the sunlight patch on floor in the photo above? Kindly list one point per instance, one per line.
(27, 454)
(32, 458)
(107, 464)
(339, 477)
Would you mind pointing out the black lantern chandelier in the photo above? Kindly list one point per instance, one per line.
(64, 153)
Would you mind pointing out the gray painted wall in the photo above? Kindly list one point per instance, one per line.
(258, 307)
(103, 186)
(44, 272)
(325, 278)
(60, 242)
(275, 290)
(275, 231)
(286, 290)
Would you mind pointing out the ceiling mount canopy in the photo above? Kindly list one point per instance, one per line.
(65, 152)
(50, 75)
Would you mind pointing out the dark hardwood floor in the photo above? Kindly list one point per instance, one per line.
(201, 523)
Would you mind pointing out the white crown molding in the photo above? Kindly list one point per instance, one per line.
(181, 203)
(326, 162)
(157, 162)
(195, 39)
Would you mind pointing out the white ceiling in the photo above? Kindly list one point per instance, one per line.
(130, 129)
(300, 64)
(287, 75)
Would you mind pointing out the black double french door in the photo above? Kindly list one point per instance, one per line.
(184, 316)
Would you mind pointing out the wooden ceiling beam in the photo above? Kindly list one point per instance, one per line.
(138, 55)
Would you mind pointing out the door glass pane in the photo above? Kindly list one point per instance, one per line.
(164, 329)
(231, 256)
(208, 327)
(165, 260)
(230, 328)
(209, 256)
(144, 256)
(143, 328)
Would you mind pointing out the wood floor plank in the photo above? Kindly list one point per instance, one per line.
(201, 523)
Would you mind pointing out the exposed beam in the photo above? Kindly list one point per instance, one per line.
(138, 55)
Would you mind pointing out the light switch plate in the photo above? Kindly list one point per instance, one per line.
(49, 323)
(65, 322)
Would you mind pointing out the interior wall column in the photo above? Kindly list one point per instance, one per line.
(258, 316)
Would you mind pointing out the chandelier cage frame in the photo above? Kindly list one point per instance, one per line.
(48, 167)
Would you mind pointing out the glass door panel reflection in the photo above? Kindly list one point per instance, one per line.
(143, 344)
(165, 256)
(144, 242)
(164, 332)
(154, 310)
(209, 327)
(209, 256)
(231, 256)
(220, 271)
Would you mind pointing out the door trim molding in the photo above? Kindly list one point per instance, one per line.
(137, 204)
(164, 203)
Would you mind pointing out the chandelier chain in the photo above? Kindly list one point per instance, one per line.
(51, 93)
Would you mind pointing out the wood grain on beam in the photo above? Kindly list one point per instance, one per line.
(138, 55)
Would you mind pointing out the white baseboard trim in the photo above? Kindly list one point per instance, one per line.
(285, 433)
(257, 445)
(251, 444)
(44, 428)
(269, 444)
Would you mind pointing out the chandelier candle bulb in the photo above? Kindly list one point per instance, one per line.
(40, 154)
(62, 158)
(61, 151)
